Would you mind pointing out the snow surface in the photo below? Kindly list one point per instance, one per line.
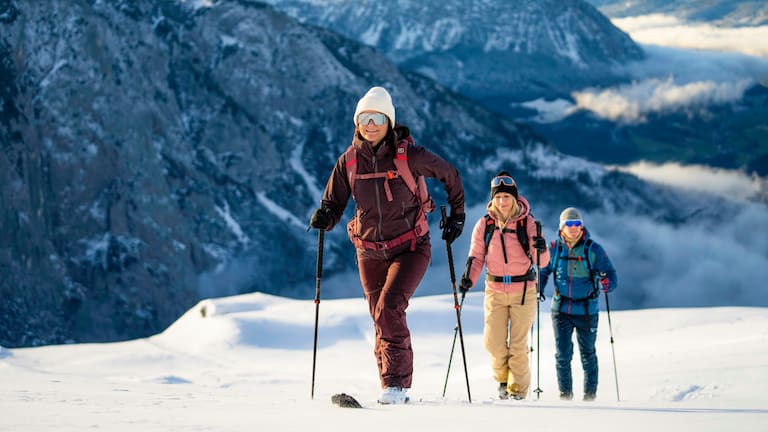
(245, 363)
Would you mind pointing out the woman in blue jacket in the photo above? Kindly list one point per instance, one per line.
(581, 271)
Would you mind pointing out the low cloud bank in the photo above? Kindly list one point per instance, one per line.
(725, 183)
(674, 76)
(658, 29)
(634, 102)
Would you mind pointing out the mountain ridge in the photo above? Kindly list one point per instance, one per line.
(152, 150)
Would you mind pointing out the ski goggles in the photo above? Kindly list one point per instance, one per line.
(379, 119)
(502, 180)
(573, 223)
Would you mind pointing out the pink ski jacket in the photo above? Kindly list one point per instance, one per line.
(517, 262)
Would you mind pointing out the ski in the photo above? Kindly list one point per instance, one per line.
(345, 401)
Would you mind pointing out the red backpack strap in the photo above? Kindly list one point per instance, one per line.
(417, 186)
(419, 190)
(350, 158)
(401, 163)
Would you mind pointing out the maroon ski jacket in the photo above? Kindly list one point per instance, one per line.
(377, 218)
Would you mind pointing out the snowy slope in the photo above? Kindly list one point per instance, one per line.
(245, 362)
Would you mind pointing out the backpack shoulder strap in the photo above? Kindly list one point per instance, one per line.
(417, 186)
(556, 244)
(401, 163)
(522, 236)
(490, 227)
(588, 262)
(350, 160)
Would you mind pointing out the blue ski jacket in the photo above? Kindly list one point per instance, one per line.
(576, 290)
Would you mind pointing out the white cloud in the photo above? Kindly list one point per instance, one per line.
(687, 67)
(633, 102)
(666, 30)
(549, 111)
(726, 183)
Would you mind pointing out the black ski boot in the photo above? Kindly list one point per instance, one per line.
(503, 394)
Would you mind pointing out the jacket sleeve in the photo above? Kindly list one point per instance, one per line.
(337, 191)
(477, 250)
(546, 270)
(603, 264)
(428, 164)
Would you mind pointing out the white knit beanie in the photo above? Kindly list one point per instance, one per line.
(377, 99)
(569, 214)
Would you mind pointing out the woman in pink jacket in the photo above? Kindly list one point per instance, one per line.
(510, 283)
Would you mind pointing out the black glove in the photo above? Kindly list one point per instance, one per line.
(321, 219)
(540, 244)
(453, 226)
(464, 285)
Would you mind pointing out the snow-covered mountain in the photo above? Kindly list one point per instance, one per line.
(493, 51)
(155, 153)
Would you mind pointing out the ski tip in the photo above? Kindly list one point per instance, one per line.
(345, 401)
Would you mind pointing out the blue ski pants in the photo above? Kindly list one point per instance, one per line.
(586, 336)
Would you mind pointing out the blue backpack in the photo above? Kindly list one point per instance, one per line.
(557, 245)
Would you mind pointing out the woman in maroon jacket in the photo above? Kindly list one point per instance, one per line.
(393, 247)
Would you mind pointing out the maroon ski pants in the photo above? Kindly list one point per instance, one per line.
(389, 279)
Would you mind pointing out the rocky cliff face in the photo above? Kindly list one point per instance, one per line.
(493, 51)
(155, 153)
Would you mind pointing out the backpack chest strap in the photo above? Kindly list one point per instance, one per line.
(387, 176)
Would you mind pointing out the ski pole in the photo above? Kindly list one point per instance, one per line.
(318, 276)
(456, 306)
(530, 355)
(613, 351)
(538, 390)
(456, 329)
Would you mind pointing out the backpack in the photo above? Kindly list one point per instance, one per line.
(417, 186)
(521, 230)
(557, 246)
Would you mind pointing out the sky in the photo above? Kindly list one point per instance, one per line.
(245, 363)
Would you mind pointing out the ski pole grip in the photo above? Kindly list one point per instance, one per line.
(468, 266)
(538, 228)
(444, 217)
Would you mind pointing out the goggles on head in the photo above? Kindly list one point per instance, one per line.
(502, 180)
(379, 119)
(573, 223)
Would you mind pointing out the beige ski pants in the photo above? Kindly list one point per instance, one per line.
(507, 324)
